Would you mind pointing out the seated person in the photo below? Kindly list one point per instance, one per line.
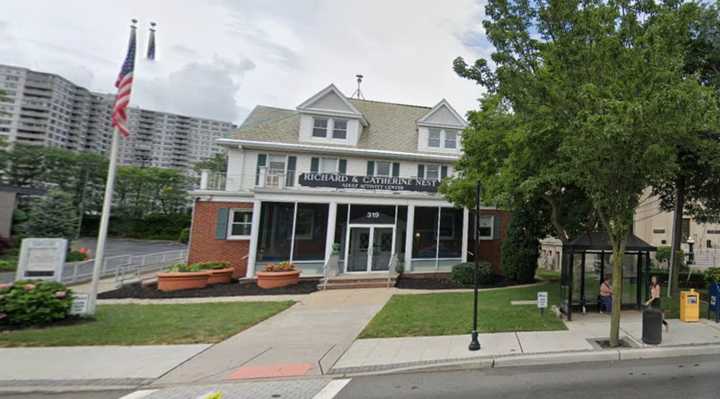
(606, 293)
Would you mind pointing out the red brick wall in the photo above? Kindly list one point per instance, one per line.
(490, 249)
(204, 247)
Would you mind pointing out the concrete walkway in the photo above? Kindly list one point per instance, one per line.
(306, 339)
(367, 355)
(91, 365)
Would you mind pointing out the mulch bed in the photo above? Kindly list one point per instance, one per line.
(136, 290)
(444, 283)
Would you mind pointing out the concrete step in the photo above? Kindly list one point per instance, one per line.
(357, 283)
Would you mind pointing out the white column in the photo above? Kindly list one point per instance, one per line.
(409, 231)
(254, 232)
(466, 224)
(204, 175)
(330, 236)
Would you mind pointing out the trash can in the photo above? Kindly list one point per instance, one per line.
(652, 326)
(690, 306)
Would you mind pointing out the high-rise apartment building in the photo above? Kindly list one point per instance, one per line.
(46, 109)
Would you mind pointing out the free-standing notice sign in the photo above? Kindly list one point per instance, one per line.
(390, 183)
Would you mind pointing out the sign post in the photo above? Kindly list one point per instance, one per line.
(542, 301)
(41, 259)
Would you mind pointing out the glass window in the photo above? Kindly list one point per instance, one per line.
(320, 127)
(310, 232)
(434, 138)
(240, 222)
(450, 139)
(277, 164)
(383, 168)
(486, 227)
(328, 165)
(339, 129)
(274, 238)
(425, 234)
(451, 224)
(432, 172)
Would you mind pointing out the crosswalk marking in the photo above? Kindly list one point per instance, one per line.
(332, 389)
(139, 394)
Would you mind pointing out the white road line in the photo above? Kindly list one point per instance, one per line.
(332, 389)
(139, 394)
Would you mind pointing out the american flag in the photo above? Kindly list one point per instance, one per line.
(124, 86)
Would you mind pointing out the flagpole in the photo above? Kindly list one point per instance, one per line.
(104, 221)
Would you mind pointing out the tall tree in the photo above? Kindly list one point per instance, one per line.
(597, 100)
(695, 189)
(52, 216)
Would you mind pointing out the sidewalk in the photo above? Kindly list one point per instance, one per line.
(305, 340)
(368, 355)
(122, 366)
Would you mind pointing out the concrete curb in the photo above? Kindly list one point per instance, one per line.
(535, 359)
(59, 386)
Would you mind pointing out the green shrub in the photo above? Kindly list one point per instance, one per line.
(712, 275)
(28, 303)
(184, 235)
(76, 256)
(463, 274)
(521, 248)
(198, 267)
(7, 265)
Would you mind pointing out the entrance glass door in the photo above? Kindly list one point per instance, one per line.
(369, 248)
(382, 248)
(358, 255)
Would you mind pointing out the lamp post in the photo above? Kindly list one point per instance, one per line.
(474, 343)
(691, 254)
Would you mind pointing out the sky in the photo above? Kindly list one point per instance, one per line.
(220, 58)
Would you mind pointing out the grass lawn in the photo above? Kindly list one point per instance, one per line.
(150, 325)
(451, 313)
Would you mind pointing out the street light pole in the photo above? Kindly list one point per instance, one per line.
(474, 343)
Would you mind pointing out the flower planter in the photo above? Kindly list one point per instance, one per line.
(277, 279)
(220, 276)
(174, 281)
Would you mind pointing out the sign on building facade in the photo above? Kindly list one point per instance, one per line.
(41, 259)
(390, 183)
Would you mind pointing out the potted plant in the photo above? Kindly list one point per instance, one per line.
(278, 275)
(183, 277)
(220, 272)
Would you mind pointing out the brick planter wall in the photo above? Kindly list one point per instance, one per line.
(205, 247)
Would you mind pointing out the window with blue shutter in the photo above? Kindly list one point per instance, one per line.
(261, 162)
(443, 172)
(396, 169)
(371, 168)
(290, 174)
(222, 223)
(314, 165)
(342, 166)
(421, 171)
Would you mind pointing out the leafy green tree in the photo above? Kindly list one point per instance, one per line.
(52, 216)
(217, 163)
(595, 101)
(143, 191)
(521, 248)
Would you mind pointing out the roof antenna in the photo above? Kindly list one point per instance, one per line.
(358, 93)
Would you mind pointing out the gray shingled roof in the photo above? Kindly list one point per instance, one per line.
(392, 127)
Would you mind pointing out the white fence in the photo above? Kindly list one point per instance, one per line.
(123, 267)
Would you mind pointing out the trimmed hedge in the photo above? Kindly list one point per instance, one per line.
(27, 303)
(464, 274)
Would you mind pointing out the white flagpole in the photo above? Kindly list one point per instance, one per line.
(104, 221)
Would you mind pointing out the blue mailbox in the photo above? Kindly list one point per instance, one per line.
(714, 307)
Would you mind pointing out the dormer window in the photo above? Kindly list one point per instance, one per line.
(339, 129)
(442, 138)
(320, 127)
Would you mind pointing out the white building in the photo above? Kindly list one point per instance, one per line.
(46, 109)
(342, 176)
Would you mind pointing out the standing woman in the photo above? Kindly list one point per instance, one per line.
(654, 301)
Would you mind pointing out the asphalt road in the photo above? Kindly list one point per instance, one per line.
(672, 378)
(687, 378)
(122, 246)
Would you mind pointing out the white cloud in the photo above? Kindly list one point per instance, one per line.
(219, 58)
